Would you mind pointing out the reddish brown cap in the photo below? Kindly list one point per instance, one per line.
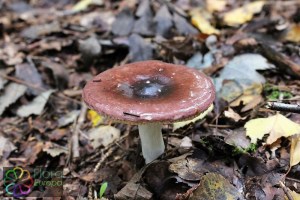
(150, 91)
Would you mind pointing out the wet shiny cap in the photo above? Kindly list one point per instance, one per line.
(150, 91)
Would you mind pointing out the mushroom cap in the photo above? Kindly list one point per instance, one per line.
(149, 92)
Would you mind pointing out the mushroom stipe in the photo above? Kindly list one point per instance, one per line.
(149, 94)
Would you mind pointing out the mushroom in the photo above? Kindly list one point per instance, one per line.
(150, 94)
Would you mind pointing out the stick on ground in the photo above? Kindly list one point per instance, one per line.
(293, 108)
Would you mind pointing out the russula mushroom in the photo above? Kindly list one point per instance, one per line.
(149, 94)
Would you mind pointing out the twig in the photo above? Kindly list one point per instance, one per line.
(75, 136)
(104, 157)
(98, 153)
(286, 191)
(294, 108)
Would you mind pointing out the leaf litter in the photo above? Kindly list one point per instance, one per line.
(51, 46)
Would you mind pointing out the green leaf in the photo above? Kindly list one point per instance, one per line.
(103, 189)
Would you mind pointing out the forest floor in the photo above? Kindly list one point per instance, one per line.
(243, 149)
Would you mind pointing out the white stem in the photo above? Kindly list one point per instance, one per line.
(152, 141)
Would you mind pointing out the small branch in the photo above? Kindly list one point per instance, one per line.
(293, 108)
(75, 136)
(286, 191)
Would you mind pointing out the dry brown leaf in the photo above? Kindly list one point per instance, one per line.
(243, 14)
(295, 149)
(293, 33)
(233, 115)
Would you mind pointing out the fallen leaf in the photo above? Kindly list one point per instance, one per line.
(214, 186)
(163, 20)
(277, 126)
(12, 92)
(243, 14)
(243, 67)
(200, 19)
(2, 80)
(35, 107)
(295, 195)
(69, 118)
(28, 73)
(54, 150)
(94, 117)
(183, 26)
(139, 48)
(81, 5)
(295, 149)
(240, 82)
(293, 33)
(233, 115)
(103, 135)
(33, 32)
(238, 138)
(178, 125)
(215, 5)
(256, 99)
(123, 23)
(6, 147)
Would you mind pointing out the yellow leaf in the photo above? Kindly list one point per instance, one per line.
(277, 126)
(81, 5)
(243, 14)
(94, 117)
(293, 34)
(295, 149)
(200, 19)
(295, 195)
(215, 5)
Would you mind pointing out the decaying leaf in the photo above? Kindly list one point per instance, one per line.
(293, 33)
(94, 117)
(215, 5)
(233, 115)
(277, 126)
(29, 73)
(35, 107)
(12, 92)
(54, 150)
(6, 146)
(69, 118)
(35, 31)
(200, 19)
(2, 80)
(295, 149)
(295, 195)
(240, 82)
(214, 186)
(243, 14)
(83, 4)
(103, 135)
(178, 125)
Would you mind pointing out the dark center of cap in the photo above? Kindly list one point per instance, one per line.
(149, 88)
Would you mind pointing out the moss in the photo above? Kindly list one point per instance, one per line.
(273, 93)
(239, 150)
